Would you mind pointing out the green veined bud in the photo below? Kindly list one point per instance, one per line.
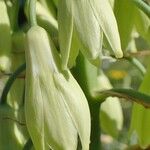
(53, 111)
(5, 38)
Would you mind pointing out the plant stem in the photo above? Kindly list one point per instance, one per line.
(137, 64)
(10, 82)
(95, 125)
(143, 6)
(80, 73)
(32, 13)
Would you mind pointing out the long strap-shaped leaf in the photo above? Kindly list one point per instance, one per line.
(128, 94)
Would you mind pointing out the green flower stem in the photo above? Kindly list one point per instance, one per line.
(143, 6)
(32, 6)
(10, 82)
(31, 12)
(134, 61)
(137, 64)
(81, 77)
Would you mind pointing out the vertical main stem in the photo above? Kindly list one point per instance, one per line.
(80, 73)
(95, 126)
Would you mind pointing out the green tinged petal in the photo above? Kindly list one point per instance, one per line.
(65, 24)
(106, 19)
(89, 32)
(74, 51)
(46, 20)
(125, 13)
(75, 98)
(52, 109)
(112, 3)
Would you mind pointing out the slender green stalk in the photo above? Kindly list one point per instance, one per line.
(128, 94)
(143, 6)
(10, 82)
(32, 14)
(80, 74)
(137, 64)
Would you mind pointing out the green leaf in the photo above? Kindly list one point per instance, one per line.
(142, 24)
(125, 20)
(106, 19)
(140, 120)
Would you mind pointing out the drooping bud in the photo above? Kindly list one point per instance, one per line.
(53, 99)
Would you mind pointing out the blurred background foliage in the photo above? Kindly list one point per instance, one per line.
(134, 32)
